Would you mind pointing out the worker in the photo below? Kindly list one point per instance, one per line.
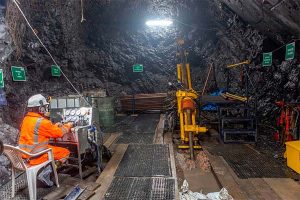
(37, 129)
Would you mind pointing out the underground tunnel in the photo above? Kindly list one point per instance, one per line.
(149, 99)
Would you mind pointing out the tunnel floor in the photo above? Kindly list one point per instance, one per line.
(145, 169)
(249, 163)
(139, 129)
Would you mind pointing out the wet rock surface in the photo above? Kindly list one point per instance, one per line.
(99, 51)
(97, 42)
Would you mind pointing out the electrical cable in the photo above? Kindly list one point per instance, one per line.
(18, 6)
(293, 40)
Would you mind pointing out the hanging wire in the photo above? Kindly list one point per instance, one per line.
(293, 40)
(34, 32)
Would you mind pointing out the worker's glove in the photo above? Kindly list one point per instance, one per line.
(58, 124)
(70, 124)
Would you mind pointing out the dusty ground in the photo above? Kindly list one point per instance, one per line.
(197, 172)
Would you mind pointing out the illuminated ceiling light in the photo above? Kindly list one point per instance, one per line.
(162, 22)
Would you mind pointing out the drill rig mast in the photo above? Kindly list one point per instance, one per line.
(186, 105)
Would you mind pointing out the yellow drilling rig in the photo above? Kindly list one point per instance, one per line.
(186, 105)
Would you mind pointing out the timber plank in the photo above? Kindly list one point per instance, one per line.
(173, 168)
(107, 175)
(286, 188)
(86, 195)
(264, 189)
(59, 193)
(111, 139)
(159, 131)
(225, 177)
(245, 184)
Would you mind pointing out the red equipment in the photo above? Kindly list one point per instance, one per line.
(287, 122)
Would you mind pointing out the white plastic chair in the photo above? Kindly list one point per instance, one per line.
(14, 154)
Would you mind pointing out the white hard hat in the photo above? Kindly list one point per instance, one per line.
(36, 101)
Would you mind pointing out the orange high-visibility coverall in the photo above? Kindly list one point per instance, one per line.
(35, 133)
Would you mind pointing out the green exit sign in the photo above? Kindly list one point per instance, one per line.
(55, 70)
(137, 68)
(1, 79)
(290, 51)
(18, 73)
(267, 59)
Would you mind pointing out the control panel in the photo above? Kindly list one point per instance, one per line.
(84, 118)
(79, 116)
(84, 137)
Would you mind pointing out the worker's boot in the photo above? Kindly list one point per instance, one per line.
(44, 176)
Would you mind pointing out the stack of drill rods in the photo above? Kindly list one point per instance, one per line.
(140, 102)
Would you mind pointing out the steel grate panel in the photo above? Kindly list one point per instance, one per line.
(163, 189)
(140, 129)
(119, 188)
(145, 161)
(141, 189)
(248, 163)
(137, 138)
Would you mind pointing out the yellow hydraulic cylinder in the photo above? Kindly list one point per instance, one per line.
(179, 68)
(194, 117)
(188, 71)
(182, 135)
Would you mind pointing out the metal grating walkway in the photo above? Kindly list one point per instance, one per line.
(141, 189)
(138, 129)
(145, 161)
(144, 172)
(248, 163)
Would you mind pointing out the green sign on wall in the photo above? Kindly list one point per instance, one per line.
(267, 59)
(290, 51)
(55, 70)
(1, 79)
(18, 73)
(138, 68)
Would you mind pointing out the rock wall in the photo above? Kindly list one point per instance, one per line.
(244, 39)
(270, 16)
(58, 26)
(97, 42)
(97, 52)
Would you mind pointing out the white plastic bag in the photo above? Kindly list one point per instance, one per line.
(186, 194)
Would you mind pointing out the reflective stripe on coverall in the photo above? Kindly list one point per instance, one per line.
(35, 134)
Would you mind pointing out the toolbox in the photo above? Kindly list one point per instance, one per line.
(293, 155)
